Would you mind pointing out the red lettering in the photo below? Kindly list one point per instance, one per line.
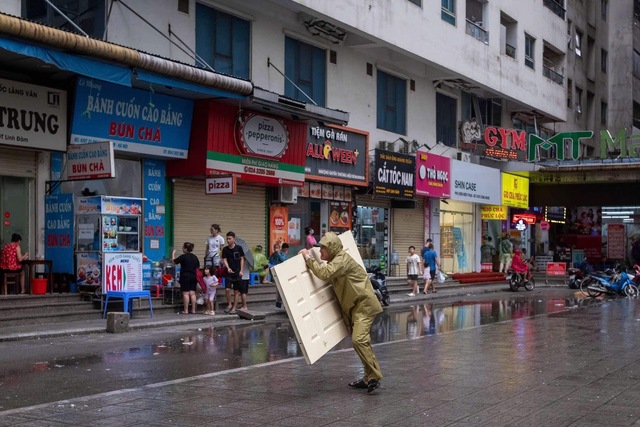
(519, 140)
(504, 135)
(490, 136)
(315, 151)
(80, 168)
(160, 230)
(52, 240)
(123, 130)
(149, 231)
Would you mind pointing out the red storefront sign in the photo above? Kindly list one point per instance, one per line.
(248, 146)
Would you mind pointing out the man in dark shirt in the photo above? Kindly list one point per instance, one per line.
(233, 260)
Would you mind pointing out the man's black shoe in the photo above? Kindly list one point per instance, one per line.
(373, 384)
(361, 383)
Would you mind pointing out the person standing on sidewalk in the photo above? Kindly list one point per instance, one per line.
(233, 260)
(414, 267)
(360, 306)
(189, 263)
(280, 254)
(215, 242)
(431, 259)
(506, 253)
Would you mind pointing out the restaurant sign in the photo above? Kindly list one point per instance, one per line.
(338, 155)
(90, 161)
(515, 191)
(263, 136)
(394, 175)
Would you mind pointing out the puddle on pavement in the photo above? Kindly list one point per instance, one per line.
(242, 345)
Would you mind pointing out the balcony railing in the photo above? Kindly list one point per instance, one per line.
(510, 50)
(556, 7)
(552, 75)
(476, 31)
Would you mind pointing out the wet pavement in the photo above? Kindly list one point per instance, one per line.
(540, 358)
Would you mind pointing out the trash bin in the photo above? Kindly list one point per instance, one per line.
(38, 286)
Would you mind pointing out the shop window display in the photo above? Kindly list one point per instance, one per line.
(370, 235)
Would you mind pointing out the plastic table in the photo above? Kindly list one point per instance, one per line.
(127, 297)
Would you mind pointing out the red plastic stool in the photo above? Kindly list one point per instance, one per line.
(156, 290)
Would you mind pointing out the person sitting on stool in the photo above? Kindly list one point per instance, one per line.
(12, 258)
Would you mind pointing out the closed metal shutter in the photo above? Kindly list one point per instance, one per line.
(18, 163)
(407, 230)
(243, 213)
(369, 200)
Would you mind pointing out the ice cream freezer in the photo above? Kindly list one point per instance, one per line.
(108, 243)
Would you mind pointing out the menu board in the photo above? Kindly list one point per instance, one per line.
(327, 191)
(338, 192)
(304, 190)
(88, 268)
(315, 190)
(339, 216)
(615, 241)
(122, 272)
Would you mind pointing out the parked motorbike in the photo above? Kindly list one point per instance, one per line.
(615, 282)
(517, 280)
(379, 283)
(577, 275)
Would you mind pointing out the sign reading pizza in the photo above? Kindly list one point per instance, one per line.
(263, 136)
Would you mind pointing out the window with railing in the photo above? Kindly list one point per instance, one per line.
(477, 32)
(552, 75)
(529, 45)
(636, 64)
(556, 6)
(449, 11)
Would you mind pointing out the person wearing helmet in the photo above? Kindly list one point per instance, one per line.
(357, 299)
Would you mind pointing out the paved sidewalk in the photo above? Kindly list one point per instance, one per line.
(575, 368)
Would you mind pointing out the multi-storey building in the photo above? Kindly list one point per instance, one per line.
(407, 77)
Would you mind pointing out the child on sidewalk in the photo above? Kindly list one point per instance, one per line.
(212, 285)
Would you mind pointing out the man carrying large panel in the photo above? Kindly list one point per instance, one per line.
(357, 300)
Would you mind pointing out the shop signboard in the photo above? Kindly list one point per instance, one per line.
(32, 116)
(394, 175)
(515, 191)
(615, 241)
(432, 175)
(220, 185)
(338, 155)
(90, 161)
(122, 272)
(494, 142)
(474, 183)
(263, 136)
(491, 212)
(137, 121)
(58, 235)
(556, 268)
(154, 208)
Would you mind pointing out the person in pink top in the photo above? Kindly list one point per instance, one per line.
(12, 257)
(519, 266)
(311, 241)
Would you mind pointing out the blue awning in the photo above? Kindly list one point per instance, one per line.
(183, 85)
(65, 61)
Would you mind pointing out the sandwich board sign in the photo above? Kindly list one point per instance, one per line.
(311, 303)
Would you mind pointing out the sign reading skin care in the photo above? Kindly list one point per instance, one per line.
(58, 234)
(475, 183)
(136, 121)
(432, 175)
(394, 175)
(32, 116)
(515, 191)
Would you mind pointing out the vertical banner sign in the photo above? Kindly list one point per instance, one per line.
(278, 226)
(154, 208)
(515, 191)
(56, 163)
(615, 241)
(58, 231)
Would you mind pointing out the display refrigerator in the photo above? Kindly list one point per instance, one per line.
(108, 243)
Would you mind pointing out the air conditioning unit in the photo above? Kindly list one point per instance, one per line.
(463, 157)
(288, 195)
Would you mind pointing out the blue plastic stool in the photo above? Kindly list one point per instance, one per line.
(254, 278)
(127, 298)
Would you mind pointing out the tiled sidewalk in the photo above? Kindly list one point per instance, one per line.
(577, 368)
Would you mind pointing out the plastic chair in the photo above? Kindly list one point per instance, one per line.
(254, 278)
(127, 298)
(10, 279)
